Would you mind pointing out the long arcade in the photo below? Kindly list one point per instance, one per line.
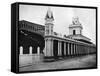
(61, 47)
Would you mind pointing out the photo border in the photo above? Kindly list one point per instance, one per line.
(56, 5)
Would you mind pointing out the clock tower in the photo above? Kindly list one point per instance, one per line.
(49, 23)
(76, 27)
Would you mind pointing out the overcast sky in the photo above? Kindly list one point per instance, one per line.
(62, 18)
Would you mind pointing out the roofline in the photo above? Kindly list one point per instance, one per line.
(79, 34)
(31, 22)
(70, 40)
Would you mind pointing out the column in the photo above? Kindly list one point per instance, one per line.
(68, 50)
(65, 48)
(38, 50)
(77, 49)
(45, 50)
(52, 47)
(71, 48)
(49, 47)
(74, 49)
(80, 50)
(21, 50)
(30, 50)
(58, 48)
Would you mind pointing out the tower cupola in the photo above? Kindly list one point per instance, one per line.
(76, 27)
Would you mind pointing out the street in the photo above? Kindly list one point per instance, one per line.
(68, 63)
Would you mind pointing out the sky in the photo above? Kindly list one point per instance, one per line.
(62, 18)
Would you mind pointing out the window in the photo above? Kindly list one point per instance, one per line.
(74, 32)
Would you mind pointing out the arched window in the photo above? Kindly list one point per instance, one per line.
(74, 32)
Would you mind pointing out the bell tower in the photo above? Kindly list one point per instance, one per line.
(49, 22)
(76, 27)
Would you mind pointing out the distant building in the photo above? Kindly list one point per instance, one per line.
(75, 31)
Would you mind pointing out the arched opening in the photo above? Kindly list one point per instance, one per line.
(38, 50)
(30, 49)
(30, 41)
(21, 50)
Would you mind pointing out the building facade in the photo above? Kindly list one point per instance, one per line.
(42, 40)
(74, 44)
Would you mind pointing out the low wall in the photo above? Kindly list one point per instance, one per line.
(29, 59)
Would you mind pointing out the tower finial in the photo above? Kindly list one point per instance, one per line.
(49, 14)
